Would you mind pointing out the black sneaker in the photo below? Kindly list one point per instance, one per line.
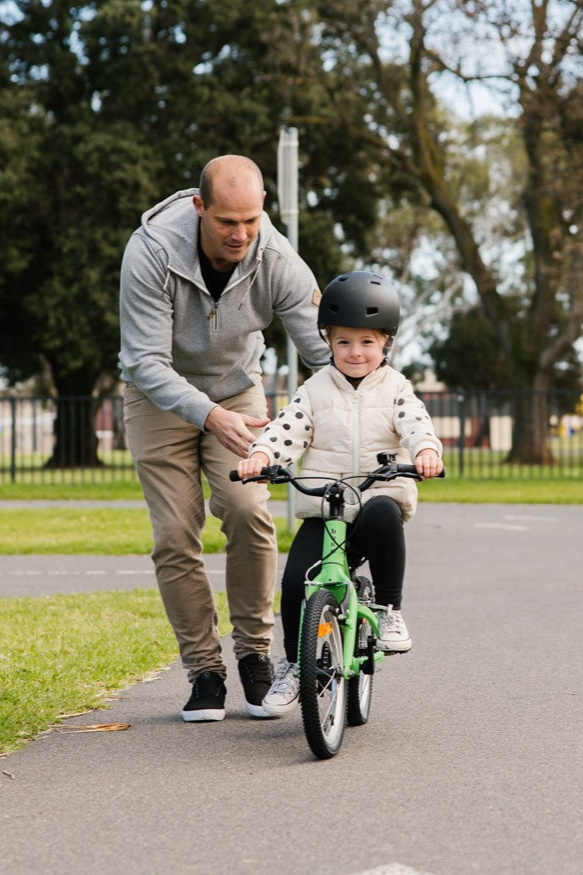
(207, 700)
(256, 672)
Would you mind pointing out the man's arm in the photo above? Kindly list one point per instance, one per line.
(146, 320)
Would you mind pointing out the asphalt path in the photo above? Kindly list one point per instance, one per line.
(471, 762)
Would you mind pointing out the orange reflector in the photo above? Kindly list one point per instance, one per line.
(324, 629)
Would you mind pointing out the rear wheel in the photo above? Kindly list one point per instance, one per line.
(360, 687)
(322, 683)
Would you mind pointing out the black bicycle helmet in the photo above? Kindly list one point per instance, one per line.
(360, 299)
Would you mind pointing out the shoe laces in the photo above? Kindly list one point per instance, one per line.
(391, 622)
(395, 622)
(285, 675)
(258, 669)
(208, 684)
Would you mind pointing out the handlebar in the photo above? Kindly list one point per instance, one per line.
(388, 470)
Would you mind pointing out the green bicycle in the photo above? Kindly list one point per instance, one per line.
(339, 627)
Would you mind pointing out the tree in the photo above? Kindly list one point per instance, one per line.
(385, 63)
(106, 109)
(68, 206)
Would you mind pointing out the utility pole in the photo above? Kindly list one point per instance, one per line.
(287, 192)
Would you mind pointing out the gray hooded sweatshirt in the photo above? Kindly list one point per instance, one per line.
(182, 349)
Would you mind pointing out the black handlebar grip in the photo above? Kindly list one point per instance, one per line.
(265, 474)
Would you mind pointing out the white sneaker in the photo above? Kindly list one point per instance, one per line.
(284, 693)
(393, 634)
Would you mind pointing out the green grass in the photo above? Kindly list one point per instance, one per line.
(102, 531)
(503, 491)
(67, 654)
(533, 487)
(128, 490)
(75, 530)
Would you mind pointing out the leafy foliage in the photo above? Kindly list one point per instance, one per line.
(107, 108)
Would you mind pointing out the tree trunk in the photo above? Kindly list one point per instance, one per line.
(75, 443)
(530, 434)
(75, 438)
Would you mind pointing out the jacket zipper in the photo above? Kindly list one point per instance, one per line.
(356, 441)
(214, 315)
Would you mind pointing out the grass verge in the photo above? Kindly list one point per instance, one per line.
(66, 654)
(102, 531)
(529, 489)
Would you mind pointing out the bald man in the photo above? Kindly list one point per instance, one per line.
(201, 279)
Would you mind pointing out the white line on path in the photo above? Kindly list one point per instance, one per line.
(393, 869)
(530, 517)
(504, 526)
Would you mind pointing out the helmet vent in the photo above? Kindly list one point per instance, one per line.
(372, 311)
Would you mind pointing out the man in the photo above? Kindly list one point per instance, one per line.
(201, 278)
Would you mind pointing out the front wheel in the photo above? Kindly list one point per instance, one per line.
(322, 682)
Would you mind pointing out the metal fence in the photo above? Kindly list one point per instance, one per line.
(76, 440)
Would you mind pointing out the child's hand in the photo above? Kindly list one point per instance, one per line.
(252, 466)
(428, 464)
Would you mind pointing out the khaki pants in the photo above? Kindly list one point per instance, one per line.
(170, 455)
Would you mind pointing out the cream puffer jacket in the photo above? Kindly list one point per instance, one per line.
(338, 430)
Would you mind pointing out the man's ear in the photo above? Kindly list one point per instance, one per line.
(198, 204)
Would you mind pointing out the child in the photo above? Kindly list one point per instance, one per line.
(339, 420)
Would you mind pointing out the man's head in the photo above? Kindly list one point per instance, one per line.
(229, 203)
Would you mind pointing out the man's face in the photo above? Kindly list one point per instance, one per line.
(230, 223)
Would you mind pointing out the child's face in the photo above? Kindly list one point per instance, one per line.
(356, 351)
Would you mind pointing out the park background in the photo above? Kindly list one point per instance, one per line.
(439, 144)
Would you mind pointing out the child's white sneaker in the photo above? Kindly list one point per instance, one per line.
(284, 693)
(393, 635)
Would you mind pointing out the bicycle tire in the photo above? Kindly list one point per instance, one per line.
(360, 687)
(322, 683)
(359, 696)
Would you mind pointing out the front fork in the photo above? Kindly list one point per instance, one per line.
(351, 615)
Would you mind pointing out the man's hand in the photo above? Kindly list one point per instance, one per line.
(232, 429)
(428, 463)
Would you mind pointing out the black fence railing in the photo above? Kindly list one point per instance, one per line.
(511, 433)
(69, 440)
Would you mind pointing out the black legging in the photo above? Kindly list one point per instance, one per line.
(377, 536)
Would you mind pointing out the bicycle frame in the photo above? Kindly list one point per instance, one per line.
(335, 576)
(334, 573)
